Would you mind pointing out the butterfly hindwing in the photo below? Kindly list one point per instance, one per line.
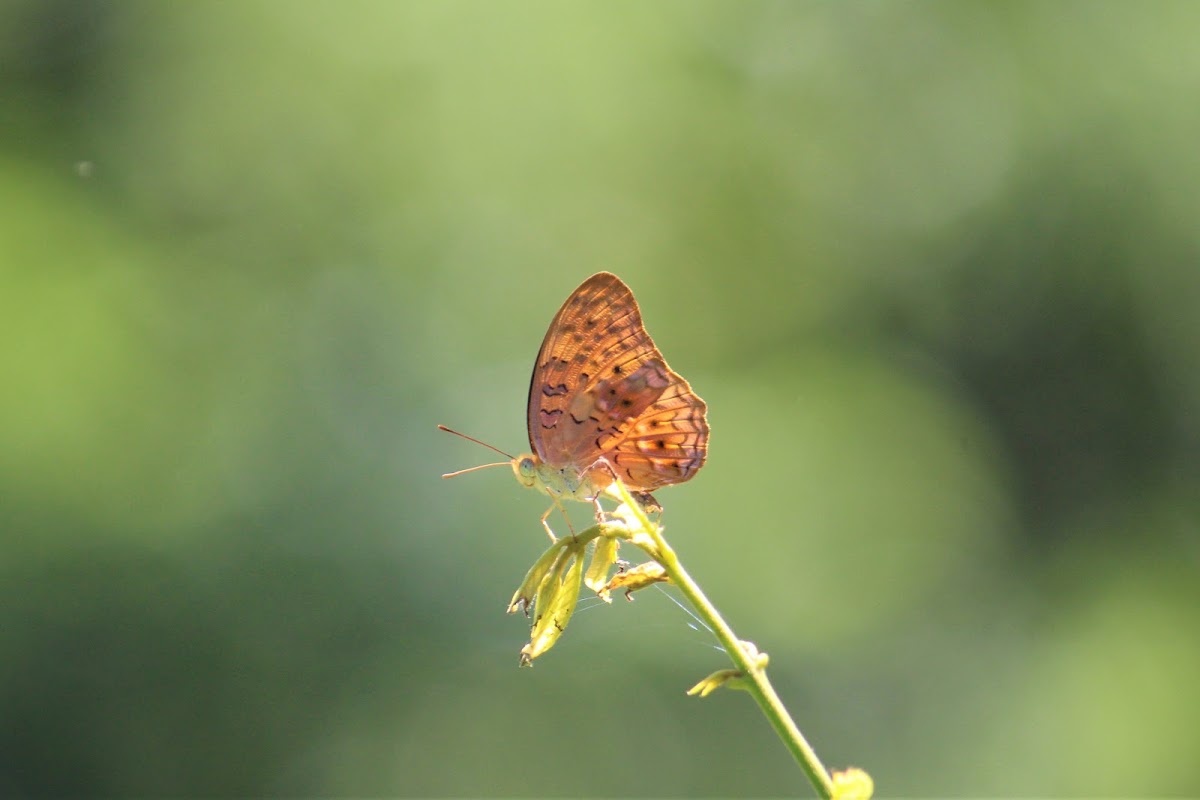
(667, 444)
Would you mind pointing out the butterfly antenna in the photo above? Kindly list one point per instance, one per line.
(474, 469)
(476, 441)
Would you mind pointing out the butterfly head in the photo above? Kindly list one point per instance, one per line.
(525, 467)
(533, 473)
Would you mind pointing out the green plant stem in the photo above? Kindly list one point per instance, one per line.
(757, 683)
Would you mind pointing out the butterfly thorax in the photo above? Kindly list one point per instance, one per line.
(567, 481)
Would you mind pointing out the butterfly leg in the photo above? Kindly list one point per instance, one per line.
(601, 515)
(546, 524)
(566, 517)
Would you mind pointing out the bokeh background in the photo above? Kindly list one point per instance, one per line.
(935, 267)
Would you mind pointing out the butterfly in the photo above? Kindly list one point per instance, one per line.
(604, 405)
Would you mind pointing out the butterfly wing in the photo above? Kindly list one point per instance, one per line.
(601, 390)
(664, 445)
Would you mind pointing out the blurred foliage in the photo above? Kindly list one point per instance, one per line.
(934, 267)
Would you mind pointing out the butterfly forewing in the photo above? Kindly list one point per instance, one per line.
(598, 324)
(601, 392)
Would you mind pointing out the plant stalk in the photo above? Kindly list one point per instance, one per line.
(756, 681)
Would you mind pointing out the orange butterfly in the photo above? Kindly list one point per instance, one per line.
(603, 404)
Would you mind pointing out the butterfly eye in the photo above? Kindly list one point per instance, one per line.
(525, 468)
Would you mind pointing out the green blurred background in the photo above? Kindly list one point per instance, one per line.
(935, 267)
